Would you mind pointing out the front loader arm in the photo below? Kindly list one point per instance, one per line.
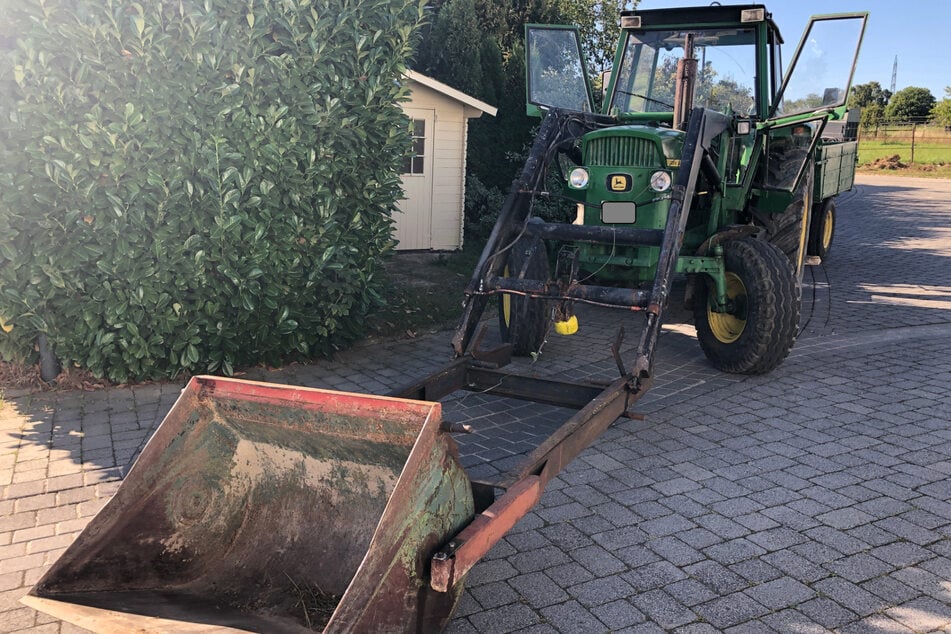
(557, 127)
(702, 128)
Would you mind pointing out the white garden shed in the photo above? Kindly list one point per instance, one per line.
(434, 177)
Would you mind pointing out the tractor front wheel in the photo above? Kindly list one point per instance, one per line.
(758, 329)
(523, 321)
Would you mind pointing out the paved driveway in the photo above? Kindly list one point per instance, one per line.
(815, 499)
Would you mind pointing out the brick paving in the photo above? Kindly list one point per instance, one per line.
(814, 499)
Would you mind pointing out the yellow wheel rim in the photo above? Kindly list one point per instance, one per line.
(827, 227)
(506, 302)
(727, 327)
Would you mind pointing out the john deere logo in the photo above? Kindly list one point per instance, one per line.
(619, 182)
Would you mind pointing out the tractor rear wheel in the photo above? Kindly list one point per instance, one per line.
(523, 321)
(823, 228)
(758, 330)
(789, 230)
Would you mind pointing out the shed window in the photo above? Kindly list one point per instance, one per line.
(413, 164)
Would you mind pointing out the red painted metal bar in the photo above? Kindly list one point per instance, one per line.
(451, 564)
(525, 485)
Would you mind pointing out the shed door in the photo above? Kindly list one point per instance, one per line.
(414, 224)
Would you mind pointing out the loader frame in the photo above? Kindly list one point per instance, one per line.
(479, 370)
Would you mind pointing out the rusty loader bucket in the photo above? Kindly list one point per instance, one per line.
(266, 508)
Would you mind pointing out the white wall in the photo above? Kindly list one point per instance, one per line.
(448, 165)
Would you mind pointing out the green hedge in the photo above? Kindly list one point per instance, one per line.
(188, 185)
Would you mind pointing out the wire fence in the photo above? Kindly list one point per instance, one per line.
(913, 142)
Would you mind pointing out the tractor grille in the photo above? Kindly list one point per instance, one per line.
(622, 151)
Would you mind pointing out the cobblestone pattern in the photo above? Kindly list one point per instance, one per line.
(889, 263)
(814, 499)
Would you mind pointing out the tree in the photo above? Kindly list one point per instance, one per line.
(464, 48)
(598, 21)
(811, 101)
(450, 48)
(599, 24)
(455, 49)
(865, 95)
(941, 113)
(909, 104)
(477, 47)
(872, 116)
(872, 99)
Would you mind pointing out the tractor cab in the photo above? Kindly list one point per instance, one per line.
(730, 57)
(719, 61)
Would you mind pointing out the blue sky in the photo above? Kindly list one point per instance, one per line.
(917, 31)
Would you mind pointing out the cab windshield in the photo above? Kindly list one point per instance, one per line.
(726, 70)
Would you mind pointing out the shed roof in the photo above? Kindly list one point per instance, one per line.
(451, 92)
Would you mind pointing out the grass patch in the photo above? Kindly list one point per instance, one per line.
(893, 157)
(424, 292)
(917, 170)
(314, 605)
(893, 165)
(928, 153)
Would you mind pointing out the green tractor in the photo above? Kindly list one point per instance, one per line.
(705, 159)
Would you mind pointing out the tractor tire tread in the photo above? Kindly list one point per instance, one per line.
(773, 310)
(816, 228)
(529, 317)
(786, 229)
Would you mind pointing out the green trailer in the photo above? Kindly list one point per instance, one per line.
(836, 157)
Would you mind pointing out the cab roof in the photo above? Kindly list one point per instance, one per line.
(698, 16)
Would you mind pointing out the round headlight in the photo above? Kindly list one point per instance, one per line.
(578, 178)
(660, 181)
